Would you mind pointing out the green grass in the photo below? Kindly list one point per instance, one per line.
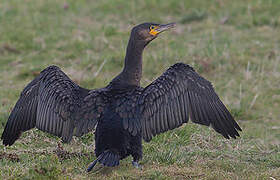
(234, 44)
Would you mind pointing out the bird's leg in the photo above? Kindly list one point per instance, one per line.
(136, 164)
(136, 152)
(137, 155)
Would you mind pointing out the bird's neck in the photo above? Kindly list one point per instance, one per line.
(132, 71)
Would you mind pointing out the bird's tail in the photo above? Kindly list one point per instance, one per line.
(107, 158)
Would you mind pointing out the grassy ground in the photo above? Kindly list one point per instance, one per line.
(234, 44)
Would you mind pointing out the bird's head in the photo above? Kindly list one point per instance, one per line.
(147, 32)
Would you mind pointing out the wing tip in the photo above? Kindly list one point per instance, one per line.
(9, 139)
(238, 128)
(8, 142)
(235, 135)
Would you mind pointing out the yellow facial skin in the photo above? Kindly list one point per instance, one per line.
(153, 30)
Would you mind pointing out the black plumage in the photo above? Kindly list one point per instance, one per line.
(123, 112)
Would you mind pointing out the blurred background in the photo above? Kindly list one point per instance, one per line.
(234, 44)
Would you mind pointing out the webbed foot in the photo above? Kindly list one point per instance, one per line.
(136, 165)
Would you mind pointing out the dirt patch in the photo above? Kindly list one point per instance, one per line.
(63, 154)
(59, 151)
(9, 48)
(10, 156)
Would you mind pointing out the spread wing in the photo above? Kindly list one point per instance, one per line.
(54, 104)
(178, 94)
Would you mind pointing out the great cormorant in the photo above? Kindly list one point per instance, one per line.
(123, 112)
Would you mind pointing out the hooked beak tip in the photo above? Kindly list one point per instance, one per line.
(164, 27)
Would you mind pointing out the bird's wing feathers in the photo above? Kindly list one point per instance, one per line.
(178, 94)
(127, 110)
(23, 116)
(58, 98)
(88, 115)
(50, 103)
(55, 104)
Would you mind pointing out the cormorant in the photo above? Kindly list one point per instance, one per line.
(123, 112)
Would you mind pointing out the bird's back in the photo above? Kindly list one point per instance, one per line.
(110, 133)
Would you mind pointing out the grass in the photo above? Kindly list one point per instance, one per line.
(234, 44)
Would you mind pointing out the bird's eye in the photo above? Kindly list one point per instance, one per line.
(153, 30)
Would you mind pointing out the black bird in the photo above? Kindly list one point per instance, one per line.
(123, 112)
